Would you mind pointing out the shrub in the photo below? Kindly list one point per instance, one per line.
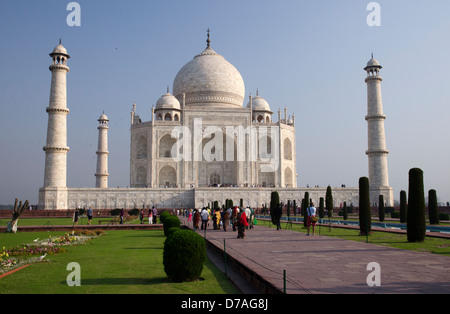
(321, 208)
(365, 225)
(433, 212)
(184, 255)
(115, 212)
(163, 216)
(169, 222)
(403, 206)
(444, 216)
(381, 208)
(171, 230)
(416, 226)
(329, 202)
(344, 211)
(274, 203)
(395, 215)
(134, 212)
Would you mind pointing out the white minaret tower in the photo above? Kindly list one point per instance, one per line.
(56, 149)
(377, 152)
(101, 175)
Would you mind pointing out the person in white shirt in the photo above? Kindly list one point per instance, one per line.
(311, 211)
(205, 215)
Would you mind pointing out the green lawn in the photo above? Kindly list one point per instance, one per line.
(432, 245)
(116, 262)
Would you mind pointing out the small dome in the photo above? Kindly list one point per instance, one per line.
(60, 50)
(373, 63)
(103, 117)
(168, 101)
(259, 104)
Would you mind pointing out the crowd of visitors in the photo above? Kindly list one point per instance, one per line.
(237, 218)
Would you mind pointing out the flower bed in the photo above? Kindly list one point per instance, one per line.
(37, 251)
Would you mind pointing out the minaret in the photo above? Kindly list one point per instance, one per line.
(377, 152)
(101, 175)
(56, 147)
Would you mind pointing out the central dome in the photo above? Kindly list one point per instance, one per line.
(209, 80)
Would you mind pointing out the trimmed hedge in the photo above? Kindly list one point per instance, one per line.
(365, 224)
(169, 222)
(416, 224)
(184, 255)
(163, 216)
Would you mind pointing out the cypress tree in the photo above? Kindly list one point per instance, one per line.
(274, 203)
(305, 214)
(329, 201)
(344, 211)
(364, 207)
(415, 225)
(381, 208)
(433, 212)
(321, 208)
(403, 206)
(294, 206)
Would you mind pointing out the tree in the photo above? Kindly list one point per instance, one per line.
(329, 201)
(305, 213)
(415, 226)
(344, 211)
(321, 208)
(433, 212)
(403, 206)
(381, 208)
(364, 207)
(274, 203)
(18, 210)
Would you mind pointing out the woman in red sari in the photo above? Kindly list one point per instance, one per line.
(241, 224)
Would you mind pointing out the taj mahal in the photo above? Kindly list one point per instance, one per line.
(206, 141)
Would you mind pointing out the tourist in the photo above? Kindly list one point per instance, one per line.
(311, 211)
(252, 218)
(150, 217)
(76, 214)
(141, 216)
(205, 216)
(234, 214)
(248, 214)
(241, 221)
(189, 213)
(196, 218)
(155, 213)
(225, 220)
(218, 219)
(121, 216)
(89, 215)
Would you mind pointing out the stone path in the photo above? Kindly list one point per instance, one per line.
(324, 265)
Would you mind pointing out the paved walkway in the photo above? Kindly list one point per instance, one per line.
(324, 265)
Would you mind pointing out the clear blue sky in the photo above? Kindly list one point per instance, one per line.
(306, 55)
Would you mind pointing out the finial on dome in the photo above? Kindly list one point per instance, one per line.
(372, 55)
(257, 92)
(167, 89)
(208, 41)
